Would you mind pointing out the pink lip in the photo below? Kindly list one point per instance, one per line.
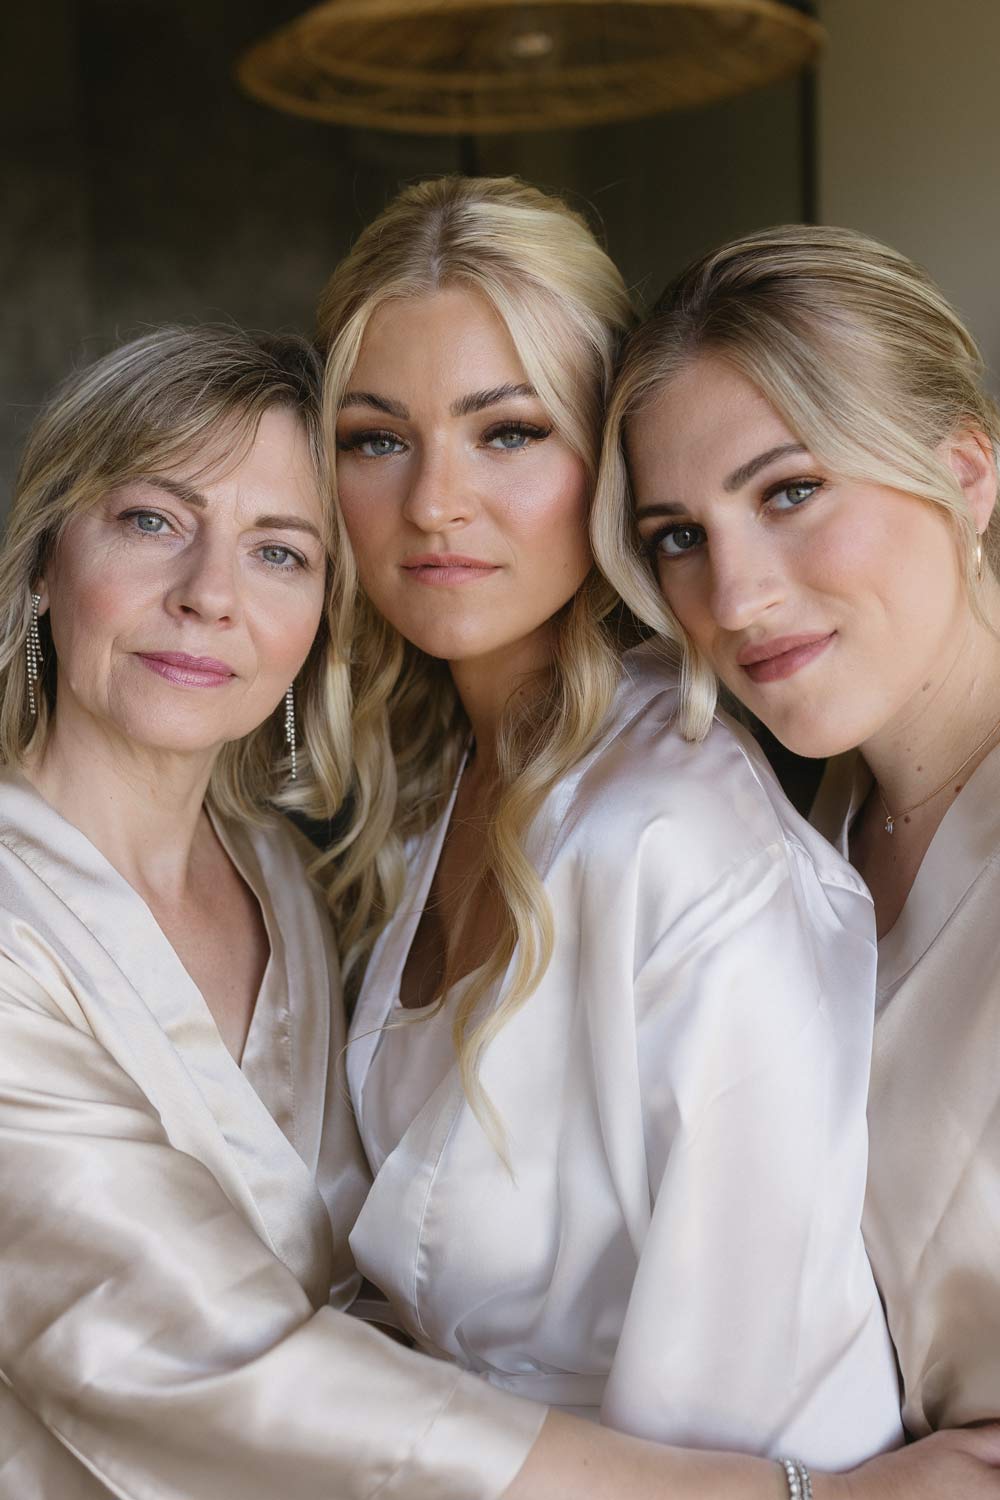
(447, 568)
(771, 660)
(187, 671)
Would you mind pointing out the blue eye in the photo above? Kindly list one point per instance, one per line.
(794, 493)
(676, 541)
(372, 444)
(511, 437)
(149, 522)
(280, 557)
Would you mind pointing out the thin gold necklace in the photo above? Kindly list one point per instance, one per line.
(892, 818)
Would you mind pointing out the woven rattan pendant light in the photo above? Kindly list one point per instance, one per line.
(457, 66)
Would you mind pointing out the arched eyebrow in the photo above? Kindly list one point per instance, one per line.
(480, 400)
(743, 475)
(384, 404)
(465, 406)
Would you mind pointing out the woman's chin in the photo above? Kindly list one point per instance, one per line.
(814, 737)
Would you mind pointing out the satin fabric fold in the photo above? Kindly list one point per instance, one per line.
(677, 1246)
(173, 1226)
(932, 1216)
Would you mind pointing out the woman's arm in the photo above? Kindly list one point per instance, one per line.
(156, 1337)
(577, 1461)
(753, 1323)
(960, 1465)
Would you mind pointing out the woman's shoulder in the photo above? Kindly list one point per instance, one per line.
(716, 803)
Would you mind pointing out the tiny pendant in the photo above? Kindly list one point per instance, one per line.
(888, 823)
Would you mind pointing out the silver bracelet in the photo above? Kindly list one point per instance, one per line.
(799, 1483)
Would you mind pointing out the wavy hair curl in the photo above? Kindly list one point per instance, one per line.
(566, 308)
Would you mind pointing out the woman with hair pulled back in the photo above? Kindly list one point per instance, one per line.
(610, 1051)
(812, 524)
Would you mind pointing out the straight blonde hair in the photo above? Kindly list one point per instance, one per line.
(145, 406)
(857, 350)
(566, 309)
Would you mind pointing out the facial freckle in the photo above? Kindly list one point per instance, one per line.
(920, 768)
(925, 687)
(958, 788)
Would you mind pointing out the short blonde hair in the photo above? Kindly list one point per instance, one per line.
(853, 345)
(144, 406)
(566, 308)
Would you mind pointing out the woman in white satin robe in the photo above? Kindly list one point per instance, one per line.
(662, 1227)
(813, 468)
(675, 1246)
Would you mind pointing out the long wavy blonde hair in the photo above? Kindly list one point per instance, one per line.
(142, 408)
(857, 350)
(566, 309)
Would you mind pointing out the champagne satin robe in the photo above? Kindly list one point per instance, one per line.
(932, 1217)
(677, 1247)
(172, 1223)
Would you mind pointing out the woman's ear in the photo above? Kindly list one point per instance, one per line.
(41, 588)
(970, 456)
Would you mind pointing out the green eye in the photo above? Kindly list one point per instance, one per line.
(788, 496)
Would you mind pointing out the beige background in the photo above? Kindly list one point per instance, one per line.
(909, 139)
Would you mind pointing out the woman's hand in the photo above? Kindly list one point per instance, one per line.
(959, 1465)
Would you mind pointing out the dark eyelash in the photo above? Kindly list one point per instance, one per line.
(372, 434)
(787, 484)
(526, 429)
(650, 544)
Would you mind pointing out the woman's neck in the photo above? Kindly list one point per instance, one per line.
(925, 755)
(142, 809)
(485, 685)
(920, 764)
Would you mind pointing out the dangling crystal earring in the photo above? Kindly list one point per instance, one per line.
(33, 652)
(290, 730)
(979, 558)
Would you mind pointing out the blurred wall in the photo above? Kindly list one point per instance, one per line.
(139, 185)
(909, 132)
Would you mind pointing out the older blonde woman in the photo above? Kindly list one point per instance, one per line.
(178, 1170)
(813, 471)
(611, 1048)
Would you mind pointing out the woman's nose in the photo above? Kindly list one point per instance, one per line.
(746, 581)
(440, 493)
(206, 583)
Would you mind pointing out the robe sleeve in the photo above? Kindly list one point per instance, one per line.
(753, 1323)
(158, 1339)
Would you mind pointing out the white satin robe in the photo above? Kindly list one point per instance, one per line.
(171, 1223)
(932, 1219)
(679, 1247)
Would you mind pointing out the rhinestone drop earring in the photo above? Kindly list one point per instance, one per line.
(33, 653)
(290, 730)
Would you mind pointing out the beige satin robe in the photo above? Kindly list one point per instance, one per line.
(171, 1223)
(932, 1215)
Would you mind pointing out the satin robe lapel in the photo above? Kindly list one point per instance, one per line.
(385, 969)
(175, 1053)
(963, 846)
(285, 1064)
